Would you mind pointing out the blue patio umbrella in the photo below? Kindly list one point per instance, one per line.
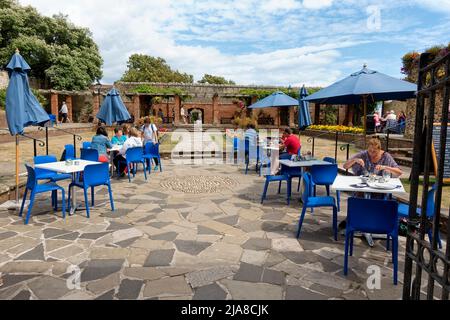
(362, 87)
(304, 115)
(22, 107)
(276, 99)
(113, 110)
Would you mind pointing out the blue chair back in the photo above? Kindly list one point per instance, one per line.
(89, 154)
(96, 174)
(430, 201)
(307, 192)
(135, 154)
(70, 152)
(252, 150)
(31, 180)
(235, 143)
(87, 145)
(330, 160)
(151, 148)
(324, 174)
(373, 216)
(52, 118)
(43, 160)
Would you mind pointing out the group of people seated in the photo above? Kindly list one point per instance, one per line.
(390, 122)
(127, 137)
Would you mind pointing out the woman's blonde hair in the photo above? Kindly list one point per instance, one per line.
(374, 143)
(134, 132)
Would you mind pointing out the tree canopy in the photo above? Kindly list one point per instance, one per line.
(145, 68)
(60, 54)
(207, 78)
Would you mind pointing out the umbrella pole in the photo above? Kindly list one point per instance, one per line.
(17, 171)
(365, 114)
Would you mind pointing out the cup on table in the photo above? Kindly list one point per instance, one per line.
(386, 175)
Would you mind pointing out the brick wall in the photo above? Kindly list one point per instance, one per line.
(4, 80)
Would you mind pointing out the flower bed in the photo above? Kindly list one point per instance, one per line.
(341, 129)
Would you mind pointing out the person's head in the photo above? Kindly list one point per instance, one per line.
(126, 130)
(392, 112)
(118, 132)
(134, 132)
(287, 132)
(374, 147)
(251, 126)
(101, 131)
(147, 121)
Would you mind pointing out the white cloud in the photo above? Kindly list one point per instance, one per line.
(269, 42)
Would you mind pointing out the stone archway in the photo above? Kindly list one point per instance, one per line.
(196, 114)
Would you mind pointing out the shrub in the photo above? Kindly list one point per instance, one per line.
(342, 129)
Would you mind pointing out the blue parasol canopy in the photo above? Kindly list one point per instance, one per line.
(113, 110)
(304, 115)
(374, 85)
(276, 99)
(22, 107)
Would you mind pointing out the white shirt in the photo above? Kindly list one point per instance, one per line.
(391, 116)
(149, 133)
(182, 112)
(64, 109)
(132, 142)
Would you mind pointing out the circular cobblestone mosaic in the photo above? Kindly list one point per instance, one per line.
(198, 184)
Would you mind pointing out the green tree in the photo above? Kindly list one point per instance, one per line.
(207, 78)
(60, 54)
(144, 68)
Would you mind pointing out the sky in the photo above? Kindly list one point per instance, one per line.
(260, 42)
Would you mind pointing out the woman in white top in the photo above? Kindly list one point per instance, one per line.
(133, 141)
(150, 134)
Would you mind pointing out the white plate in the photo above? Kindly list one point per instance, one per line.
(383, 186)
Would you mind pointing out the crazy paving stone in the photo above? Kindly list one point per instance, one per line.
(210, 292)
(129, 289)
(159, 258)
(34, 254)
(191, 247)
(98, 269)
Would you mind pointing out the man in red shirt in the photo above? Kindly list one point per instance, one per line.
(291, 144)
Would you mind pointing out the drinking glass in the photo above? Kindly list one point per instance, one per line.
(386, 175)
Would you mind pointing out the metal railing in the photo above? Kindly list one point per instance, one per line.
(75, 138)
(35, 141)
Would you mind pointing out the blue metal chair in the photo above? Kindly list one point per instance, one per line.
(372, 216)
(338, 193)
(264, 162)
(87, 145)
(52, 119)
(94, 175)
(89, 154)
(134, 156)
(310, 201)
(403, 212)
(35, 188)
(251, 153)
(279, 178)
(152, 152)
(69, 152)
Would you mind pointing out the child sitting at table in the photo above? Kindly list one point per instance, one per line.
(132, 142)
(119, 138)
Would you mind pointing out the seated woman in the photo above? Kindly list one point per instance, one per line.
(101, 143)
(118, 138)
(132, 142)
(373, 160)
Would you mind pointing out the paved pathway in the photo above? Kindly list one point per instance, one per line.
(190, 232)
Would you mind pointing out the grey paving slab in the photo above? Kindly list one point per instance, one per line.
(129, 289)
(301, 294)
(98, 269)
(159, 258)
(210, 292)
(23, 295)
(257, 244)
(168, 236)
(48, 288)
(249, 273)
(191, 247)
(35, 254)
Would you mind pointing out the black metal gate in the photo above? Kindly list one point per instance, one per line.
(426, 266)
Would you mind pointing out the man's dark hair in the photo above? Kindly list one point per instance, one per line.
(288, 131)
(116, 130)
(251, 126)
(102, 131)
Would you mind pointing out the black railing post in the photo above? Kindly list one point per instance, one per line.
(313, 146)
(387, 141)
(35, 147)
(75, 146)
(46, 140)
(336, 147)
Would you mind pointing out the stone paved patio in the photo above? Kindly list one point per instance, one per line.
(166, 244)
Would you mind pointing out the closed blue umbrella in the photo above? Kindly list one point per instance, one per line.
(304, 115)
(276, 99)
(113, 110)
(22, 107)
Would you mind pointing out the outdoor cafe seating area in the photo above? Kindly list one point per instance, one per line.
(372, 209)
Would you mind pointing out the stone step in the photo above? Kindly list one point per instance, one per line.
(405, 161)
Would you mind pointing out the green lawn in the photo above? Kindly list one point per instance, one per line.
(445, 193)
